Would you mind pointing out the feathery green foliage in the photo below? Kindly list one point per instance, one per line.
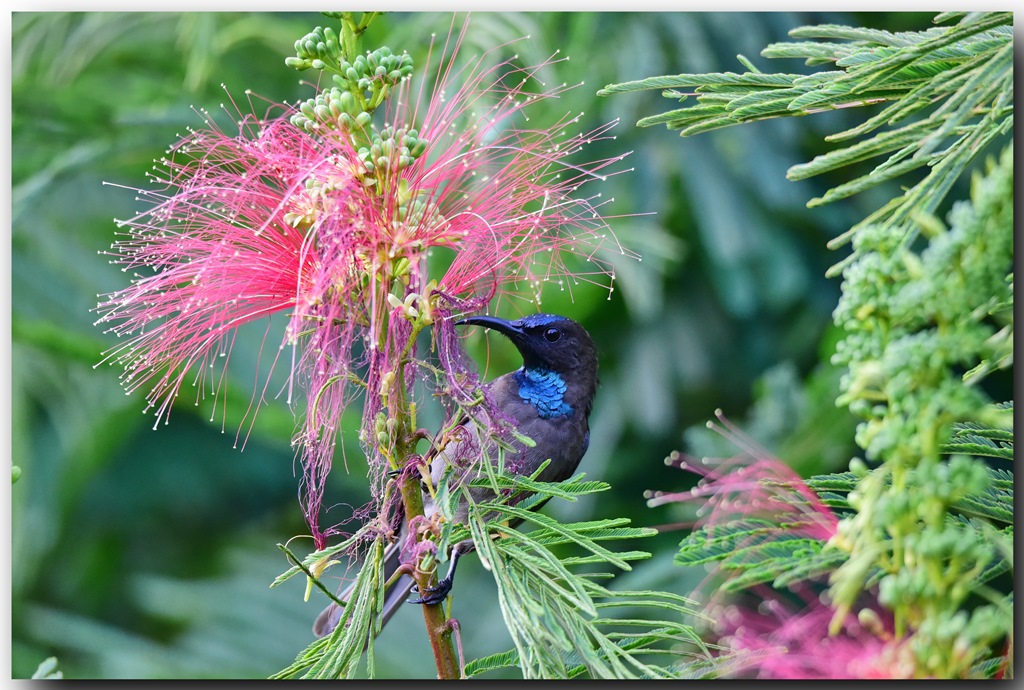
(756, 550)
(337, 655)
(913, 322)
(947, 94)
(920, 305)
(557, 612)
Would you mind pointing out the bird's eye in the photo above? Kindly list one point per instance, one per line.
(552, 334)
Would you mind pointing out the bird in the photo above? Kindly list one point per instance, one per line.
(549, 399)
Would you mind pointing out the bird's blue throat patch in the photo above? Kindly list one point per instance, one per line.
(545, 390)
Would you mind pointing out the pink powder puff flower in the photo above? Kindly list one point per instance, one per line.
(787, 638)
(764, 632)
(278, 219)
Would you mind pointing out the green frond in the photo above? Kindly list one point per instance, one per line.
(773, 561)
(507, 659)
(553, 531)
(973, 438)
(976, 445)
(956, 81)
(944, 17)
(988, 668)
(709, 544)
(338, 654)
(877, 37)
(677, 81)
(754, 551)
(839, 481)
(568, 490)
(864, 150)
(995, 503)
(677, 118)
(559, 617)
(810, 566)
(308, 562)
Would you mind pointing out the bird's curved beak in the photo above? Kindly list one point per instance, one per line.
(509, 329)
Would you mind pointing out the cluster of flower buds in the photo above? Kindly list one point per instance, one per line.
(380, 66)
(361, 85)
(385, 426)
(317, 49)
(335, 109)
(394, 148)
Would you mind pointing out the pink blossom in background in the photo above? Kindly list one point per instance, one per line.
(768, 633)
(752, 486)
(277, 220)
(787, 638)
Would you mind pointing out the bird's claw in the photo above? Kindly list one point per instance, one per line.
(436, 594)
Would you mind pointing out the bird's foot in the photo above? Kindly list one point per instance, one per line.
(436, 594)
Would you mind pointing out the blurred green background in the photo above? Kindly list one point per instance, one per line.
(148, 554)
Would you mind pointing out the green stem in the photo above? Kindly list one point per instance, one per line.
(350, 34)
(405, 437)
(439, 630)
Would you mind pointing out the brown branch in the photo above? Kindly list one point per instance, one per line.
(438, 626)
(439, 631)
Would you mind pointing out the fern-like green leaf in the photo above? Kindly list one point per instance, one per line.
(338, 654)
(962, 74)
(558, 618)
(709, 544)
(507, 659)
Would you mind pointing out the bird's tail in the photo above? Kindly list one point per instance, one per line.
(394, 596)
